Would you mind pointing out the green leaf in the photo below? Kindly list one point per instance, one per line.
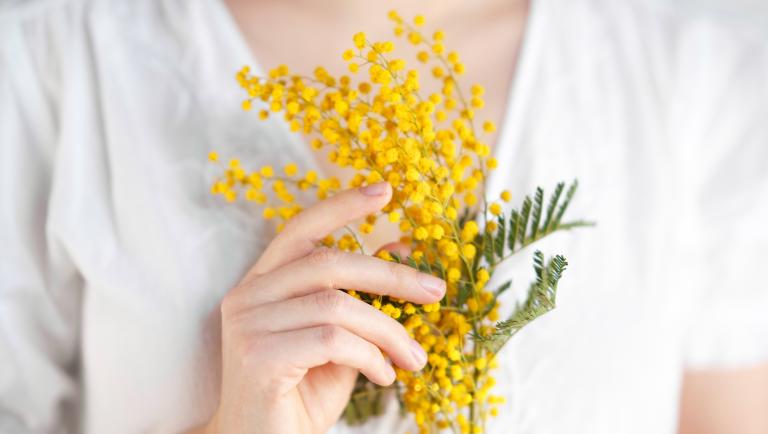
(503, 288)
(438, 265)
(500, 238)
(553, 200)
(466, 215)
(514, 229)
(525, 213)
(365, 402)
(538, 204)
(488, 247)
(465, 290)
(541, 299)
(412, 262)
(496, 293)
(526, 225)
(575, 224)
(564, 206)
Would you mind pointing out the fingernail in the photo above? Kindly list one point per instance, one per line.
(378, 189)
(419, 355)
(433, 285)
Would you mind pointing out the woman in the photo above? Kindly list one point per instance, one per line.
(131, 301)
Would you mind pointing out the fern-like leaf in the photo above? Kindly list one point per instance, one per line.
(514, 229)
(525, 213)
(488, 247)
(564, 206)
(538, 205)
(500, 239)
(526, 226)
(465, 290)
(553, 200)
(540, 300)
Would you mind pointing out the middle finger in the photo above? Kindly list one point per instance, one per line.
(327, 268)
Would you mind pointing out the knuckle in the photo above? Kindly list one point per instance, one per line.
(247, 350)
(329, 336)
(332, 301)
(275, 387)
(324, 256)
(249, 353)
(399, 274)
(228, 304)
(255, 349)
(236, 299)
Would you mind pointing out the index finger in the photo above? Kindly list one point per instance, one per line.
(302, 232)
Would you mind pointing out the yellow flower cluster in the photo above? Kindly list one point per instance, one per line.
(255, 186)
(427, 148)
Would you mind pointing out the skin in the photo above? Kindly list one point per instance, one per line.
(493, 44)
(292, 343)
(725, 401)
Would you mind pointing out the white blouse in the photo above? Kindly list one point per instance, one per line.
(114, 256)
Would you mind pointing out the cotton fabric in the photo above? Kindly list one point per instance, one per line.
(114, 256)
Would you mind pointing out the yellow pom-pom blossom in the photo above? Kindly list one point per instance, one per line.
(427, 148)
(495, 209)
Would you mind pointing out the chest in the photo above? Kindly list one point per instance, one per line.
(487, 45)
(168, 251)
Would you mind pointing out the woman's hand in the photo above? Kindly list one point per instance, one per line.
(293, 343)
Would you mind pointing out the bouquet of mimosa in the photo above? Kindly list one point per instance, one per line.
(430, 149)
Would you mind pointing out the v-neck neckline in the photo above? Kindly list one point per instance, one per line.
(505, 145)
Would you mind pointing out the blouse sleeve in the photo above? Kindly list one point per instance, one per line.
(721, 123)
(39, 287)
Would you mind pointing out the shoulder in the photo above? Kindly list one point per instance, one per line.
(692, 37)
(667, 44)
(677, 32)
(684, 17)
(703, 37)
(57, 26)
(50, 44)
(709, 64)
